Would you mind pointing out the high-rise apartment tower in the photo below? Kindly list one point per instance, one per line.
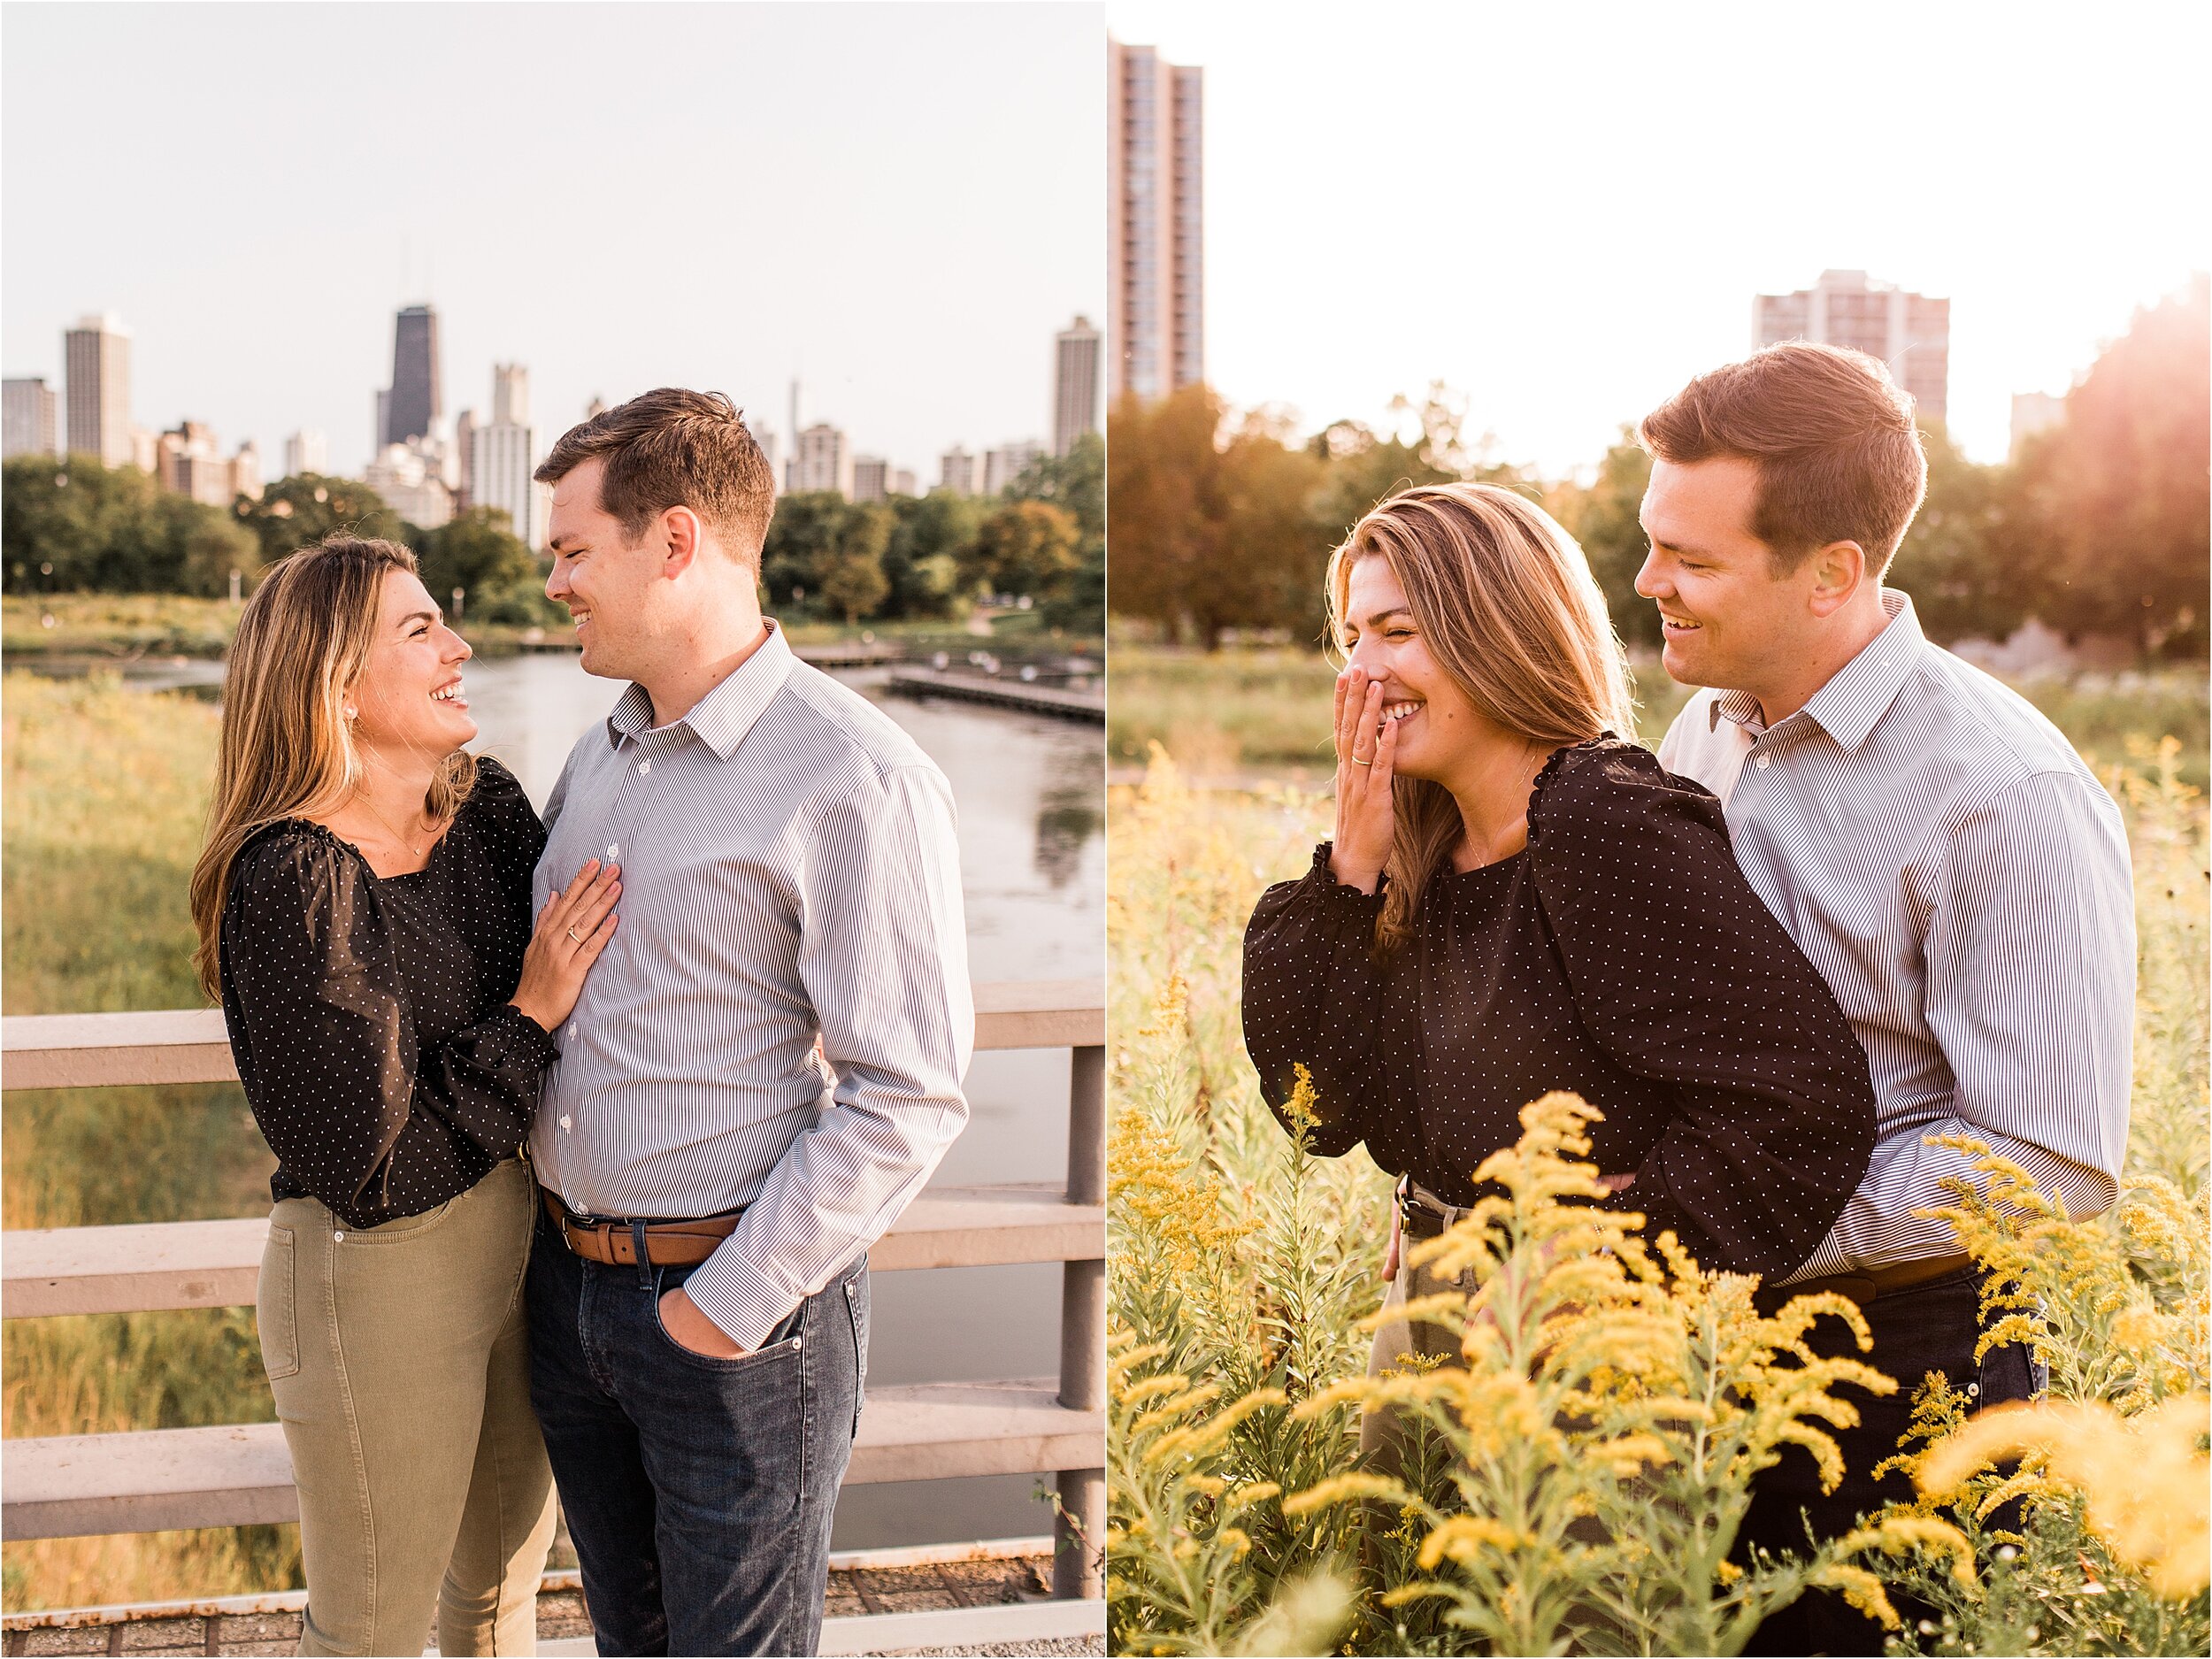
(97, 358)
(1074, 384)
(1155, 223)
(1911, 333)
(503, 454)
(415, 404)
(823, 460)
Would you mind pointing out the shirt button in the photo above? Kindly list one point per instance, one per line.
(1763, 762)
(614, 849)
(644, 766)
(572, 1031)
(566, 1126)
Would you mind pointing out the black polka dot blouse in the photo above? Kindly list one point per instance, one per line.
(1621, 954)
(369, 1015)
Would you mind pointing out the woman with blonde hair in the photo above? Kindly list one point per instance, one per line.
(363, 904)
(1517, 901)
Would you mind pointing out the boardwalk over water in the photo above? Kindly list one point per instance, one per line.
(1000, 693)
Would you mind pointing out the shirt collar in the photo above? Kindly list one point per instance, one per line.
(721, 718)
(1857, 695)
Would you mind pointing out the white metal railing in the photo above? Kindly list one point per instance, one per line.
(241, 1475)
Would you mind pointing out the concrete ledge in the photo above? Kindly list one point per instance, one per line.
(959, 1627)
(150, 1268)
(191, 1045)
(241, 1475)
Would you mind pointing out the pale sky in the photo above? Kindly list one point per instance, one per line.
(1564, 209)
(900, 203)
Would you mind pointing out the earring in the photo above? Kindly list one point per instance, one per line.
(353, 713)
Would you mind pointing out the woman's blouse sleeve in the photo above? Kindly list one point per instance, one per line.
(1312, 995)
(515, 830)
(1682, 974)
(329, 1050)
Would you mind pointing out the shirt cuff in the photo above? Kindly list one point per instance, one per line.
(1342, 901)
(739, 1301)
(530, 1041)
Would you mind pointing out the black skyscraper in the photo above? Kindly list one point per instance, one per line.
(414, 403)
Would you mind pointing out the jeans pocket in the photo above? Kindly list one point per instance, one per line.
(786, 1341)
(276, 1311)
(856, 1309)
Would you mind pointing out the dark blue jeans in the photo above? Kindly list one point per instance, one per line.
(699, 1492)
(1930, 1327)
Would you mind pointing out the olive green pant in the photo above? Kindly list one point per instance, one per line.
(400, 1364)
(1399, 1340)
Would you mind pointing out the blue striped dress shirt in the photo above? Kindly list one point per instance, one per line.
(1961, 879)
(789, 874)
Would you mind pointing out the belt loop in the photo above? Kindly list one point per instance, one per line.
(644, 1256)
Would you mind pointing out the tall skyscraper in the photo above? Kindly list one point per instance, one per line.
(416, 400)
(1074, 384)
(465, 426)
(503, 452)
(1155, 222)
(960, 472)
(510, 394)
(1911, 333)
(306, 450)
(30, 416)
(823, 460)
(96, 358)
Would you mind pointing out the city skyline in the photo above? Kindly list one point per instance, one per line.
(275, 320)
(1566, 245)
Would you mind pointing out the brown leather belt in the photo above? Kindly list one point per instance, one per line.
(614, 1243)
(1865, 1285)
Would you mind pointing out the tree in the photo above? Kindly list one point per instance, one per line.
(75, 526)
(477, 552)
(1077, 481)
(1026, 547)
(2114, 499)
(921, 560)
(307, 506)
(1605, 517)
(852, 577)
(1962, 586)
(825, 554)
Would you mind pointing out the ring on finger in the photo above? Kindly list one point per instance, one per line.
(571, 932)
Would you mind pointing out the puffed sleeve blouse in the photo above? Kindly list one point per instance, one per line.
(369, 1015)
(1622, 956)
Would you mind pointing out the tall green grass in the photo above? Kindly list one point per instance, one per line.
(1266, 710)
(105, 794)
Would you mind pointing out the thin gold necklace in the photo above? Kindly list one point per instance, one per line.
(414, 851)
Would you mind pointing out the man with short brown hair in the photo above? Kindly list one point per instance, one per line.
(1934, 845)
(764, 1063)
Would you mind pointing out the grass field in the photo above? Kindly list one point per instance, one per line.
(1241, 1270)
(1267, 710)
(103, 795)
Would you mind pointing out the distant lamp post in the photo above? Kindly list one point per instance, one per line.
(460, 599)
(236, 576)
